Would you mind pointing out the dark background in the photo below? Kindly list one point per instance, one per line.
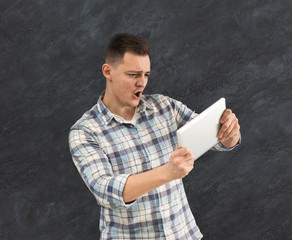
(51, 54)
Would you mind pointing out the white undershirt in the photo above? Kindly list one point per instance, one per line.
(134, 118)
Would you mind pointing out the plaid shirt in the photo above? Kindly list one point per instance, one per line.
(106, 151)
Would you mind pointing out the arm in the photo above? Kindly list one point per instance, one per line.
(139, 184)
(113, 191)
(95, 169)
(229, 134)
(181, 162)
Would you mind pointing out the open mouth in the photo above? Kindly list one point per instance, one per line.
(138, 94)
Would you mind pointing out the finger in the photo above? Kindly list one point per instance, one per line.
(185, 158)
(183, 151)
(190, 164)
(179, 151)
(190, 168)
(230, 128)
(224, 127)
(188, 158)
(232, 133)
(225, 115)
(233, 126)
(177, 148)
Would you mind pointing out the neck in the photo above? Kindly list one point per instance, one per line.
(125, 112)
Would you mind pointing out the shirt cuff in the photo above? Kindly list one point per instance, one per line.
(122, 179)
(220, 147)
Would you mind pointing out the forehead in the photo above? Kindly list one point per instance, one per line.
(135, 62)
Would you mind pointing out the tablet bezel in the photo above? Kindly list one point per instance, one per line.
(200, 134)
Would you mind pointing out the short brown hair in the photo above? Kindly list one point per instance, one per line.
(125, 42)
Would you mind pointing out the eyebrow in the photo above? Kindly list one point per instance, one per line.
(134, 71)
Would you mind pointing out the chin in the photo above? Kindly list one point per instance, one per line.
(134, 104)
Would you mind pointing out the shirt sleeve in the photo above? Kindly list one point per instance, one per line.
(220, 147)
(96, 171)
(183, 114)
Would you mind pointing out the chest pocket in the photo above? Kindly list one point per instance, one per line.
(116, 151)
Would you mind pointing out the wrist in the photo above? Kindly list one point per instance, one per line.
(231, 142)
(166, 172)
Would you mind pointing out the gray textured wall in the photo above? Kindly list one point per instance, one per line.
(50, 68)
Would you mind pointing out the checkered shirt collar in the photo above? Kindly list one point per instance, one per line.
(107, 115)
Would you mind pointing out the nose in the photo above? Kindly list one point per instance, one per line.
(142, 81)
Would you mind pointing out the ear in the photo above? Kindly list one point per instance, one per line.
(106, 71)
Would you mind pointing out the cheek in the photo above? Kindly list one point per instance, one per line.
(125, 85)
(122, 86)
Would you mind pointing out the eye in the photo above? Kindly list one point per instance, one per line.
(133, 75)
(147, 75)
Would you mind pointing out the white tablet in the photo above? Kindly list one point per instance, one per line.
(200, 134)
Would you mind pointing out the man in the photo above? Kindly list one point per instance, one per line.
(125, 150)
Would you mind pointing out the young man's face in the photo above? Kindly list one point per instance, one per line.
(129, 78)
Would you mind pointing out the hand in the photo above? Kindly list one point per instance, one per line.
(181, 162)
(228, 134)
